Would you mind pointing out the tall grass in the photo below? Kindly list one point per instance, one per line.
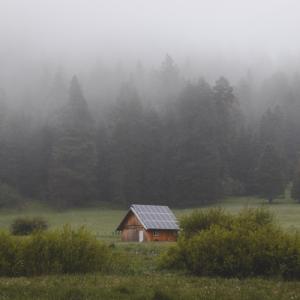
(144, 287)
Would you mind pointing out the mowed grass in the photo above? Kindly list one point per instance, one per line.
(103, 221)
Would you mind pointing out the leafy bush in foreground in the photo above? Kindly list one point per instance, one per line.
(60, 251)
(248, 244)
(25, 226)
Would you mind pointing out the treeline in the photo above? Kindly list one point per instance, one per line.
(193, 143)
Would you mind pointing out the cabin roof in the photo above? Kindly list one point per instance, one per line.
(153, 217)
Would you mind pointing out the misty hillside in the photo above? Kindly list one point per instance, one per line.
(153, 137)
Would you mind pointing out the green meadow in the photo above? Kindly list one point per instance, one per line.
(103, 221)
(142, 280)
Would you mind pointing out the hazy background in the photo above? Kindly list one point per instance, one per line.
(136, 122)
(214, 37)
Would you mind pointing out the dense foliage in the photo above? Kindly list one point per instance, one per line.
(26, 225)
(214, 243)
(52, 252)
(158, 138)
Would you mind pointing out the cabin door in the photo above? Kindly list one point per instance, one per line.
(141, 236)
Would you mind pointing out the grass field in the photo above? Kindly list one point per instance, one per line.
(103, 221)
(144, 280)
(146, 287)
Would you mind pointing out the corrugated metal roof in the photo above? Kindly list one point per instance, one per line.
(155, 216)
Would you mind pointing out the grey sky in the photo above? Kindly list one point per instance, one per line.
(64, 24)
(87, 30)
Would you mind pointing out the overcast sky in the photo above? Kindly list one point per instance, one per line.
(62, 30)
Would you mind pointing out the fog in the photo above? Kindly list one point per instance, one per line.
(167, 101)
(224, 36)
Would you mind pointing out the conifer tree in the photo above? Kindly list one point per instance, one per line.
(295, 193)
(227, 121)
(194, 152)
(126, 148)
(73, 156)
(2, 132)
(269, 177)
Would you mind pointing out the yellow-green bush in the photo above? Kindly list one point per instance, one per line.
(59, 251)
(10, 249)
(204, 219)
(247, 244)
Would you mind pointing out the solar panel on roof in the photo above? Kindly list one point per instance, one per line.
(155, 216)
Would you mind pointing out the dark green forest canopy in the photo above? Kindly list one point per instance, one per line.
(161, 139)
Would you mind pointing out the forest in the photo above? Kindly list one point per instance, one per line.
(148, 135)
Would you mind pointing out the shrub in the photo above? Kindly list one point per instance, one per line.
(204, 219)
(52, 252)
(248, 244)
(25, 226)
(253, 219)
(10, 250)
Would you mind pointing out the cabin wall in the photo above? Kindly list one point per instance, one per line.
(164, 235)
(132, 227)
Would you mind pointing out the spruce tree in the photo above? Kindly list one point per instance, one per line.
(73, 156)
(126, 148)
(269, 177)
(227, 122)
(295, 193)
(194, 154)
(2, 134)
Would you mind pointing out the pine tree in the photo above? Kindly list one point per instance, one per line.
(194, 153)
(126, 148)
(102, 169)
(73, 156)
(227, 121)
(152, 159)
(168, 83)
(269, 177)
(295, 193)
(245, 159)
(3, 113)
(271, 128)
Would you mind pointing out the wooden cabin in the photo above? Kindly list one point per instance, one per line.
(144, 223)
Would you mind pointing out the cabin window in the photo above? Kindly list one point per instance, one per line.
(155, 233)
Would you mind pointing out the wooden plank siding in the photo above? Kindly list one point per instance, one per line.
(131, 227)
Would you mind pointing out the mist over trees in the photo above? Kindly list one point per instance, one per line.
(148, 136)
